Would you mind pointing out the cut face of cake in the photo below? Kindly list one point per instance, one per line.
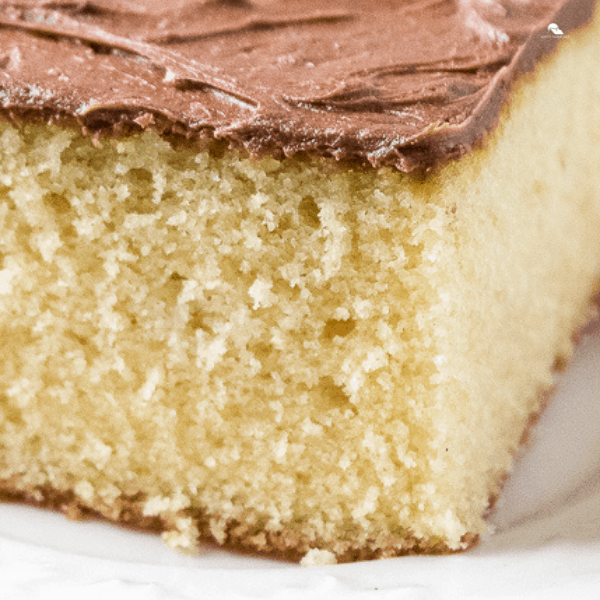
(290, 278)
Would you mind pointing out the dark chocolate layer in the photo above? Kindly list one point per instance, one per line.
(407, 83)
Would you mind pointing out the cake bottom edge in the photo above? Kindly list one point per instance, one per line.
(287, 544)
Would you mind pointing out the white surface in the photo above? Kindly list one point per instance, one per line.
(546, 544)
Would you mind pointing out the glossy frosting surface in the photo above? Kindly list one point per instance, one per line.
(404, 83)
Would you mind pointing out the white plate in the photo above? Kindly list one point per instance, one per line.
(546, 544)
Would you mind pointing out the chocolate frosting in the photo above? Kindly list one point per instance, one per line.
(405, 83)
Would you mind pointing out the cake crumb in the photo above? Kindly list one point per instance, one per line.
(318, 558)
(286, 353)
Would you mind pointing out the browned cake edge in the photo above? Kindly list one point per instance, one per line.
(288, 545)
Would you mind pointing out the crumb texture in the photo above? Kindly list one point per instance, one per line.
(296, 354)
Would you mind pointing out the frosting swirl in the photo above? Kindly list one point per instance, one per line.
(404, 83)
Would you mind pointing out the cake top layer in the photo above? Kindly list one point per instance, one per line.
(405, 83)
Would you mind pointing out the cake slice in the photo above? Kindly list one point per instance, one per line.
(293, 278)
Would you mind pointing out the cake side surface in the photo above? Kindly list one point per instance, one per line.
(194, 339)
(516, 305)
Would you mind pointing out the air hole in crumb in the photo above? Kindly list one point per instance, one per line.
(335, 327)
(262, 351)
(171, 289)
(333, 394)
(89, 348)
(197, 320)
(175, 281)
(57, 202)
(309, 212)
(68, 232)
(4, 194)
(61, 206)
(142, 176)
(303, 478)
(169, 198)
(140, 182)
(10, 412)
(394, 320)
